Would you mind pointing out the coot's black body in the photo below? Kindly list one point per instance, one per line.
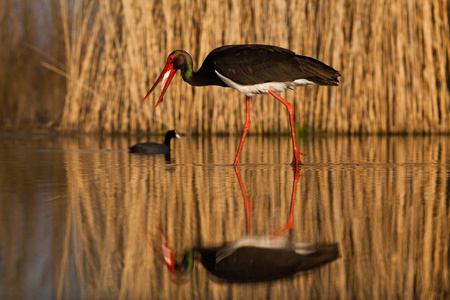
(155, 148)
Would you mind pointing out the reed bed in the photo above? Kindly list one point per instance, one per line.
(394, 59)
(30, 32)
(387, 207)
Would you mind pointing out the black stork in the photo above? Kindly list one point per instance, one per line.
(252, 70)
(155, 148)
(250, 259)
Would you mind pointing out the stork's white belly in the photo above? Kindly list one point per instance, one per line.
(262, 88)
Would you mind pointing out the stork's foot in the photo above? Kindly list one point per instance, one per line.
(282, 231)
(297, 161)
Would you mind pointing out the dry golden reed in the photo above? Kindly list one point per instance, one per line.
(394, 59)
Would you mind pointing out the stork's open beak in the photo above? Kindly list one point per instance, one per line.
(166, 77)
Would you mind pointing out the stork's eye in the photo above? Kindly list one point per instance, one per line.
(170, 59)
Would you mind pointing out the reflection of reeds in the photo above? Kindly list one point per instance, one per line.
(387, 210)
(393, 58)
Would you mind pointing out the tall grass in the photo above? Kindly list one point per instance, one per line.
(394, 59)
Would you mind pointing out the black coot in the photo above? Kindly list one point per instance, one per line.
(155, 148)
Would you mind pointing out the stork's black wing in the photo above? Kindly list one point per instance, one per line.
(255, 64)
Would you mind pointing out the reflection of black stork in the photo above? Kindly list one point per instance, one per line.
(252, 70)
(253, 258)
(155, 148)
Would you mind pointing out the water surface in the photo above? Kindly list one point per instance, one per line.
(79, 215)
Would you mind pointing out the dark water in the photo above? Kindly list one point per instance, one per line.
(80, 217)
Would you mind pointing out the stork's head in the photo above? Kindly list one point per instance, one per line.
(178, 59)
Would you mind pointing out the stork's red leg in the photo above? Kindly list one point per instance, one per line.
(248, 206)
(290, 108)
(290, 220)
(244, 134)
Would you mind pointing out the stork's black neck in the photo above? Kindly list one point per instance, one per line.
(206, 75)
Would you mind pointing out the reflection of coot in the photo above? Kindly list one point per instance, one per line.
(259, 259)
(155, 148)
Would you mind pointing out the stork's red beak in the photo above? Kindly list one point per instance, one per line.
(166, 77)
(167, 252)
